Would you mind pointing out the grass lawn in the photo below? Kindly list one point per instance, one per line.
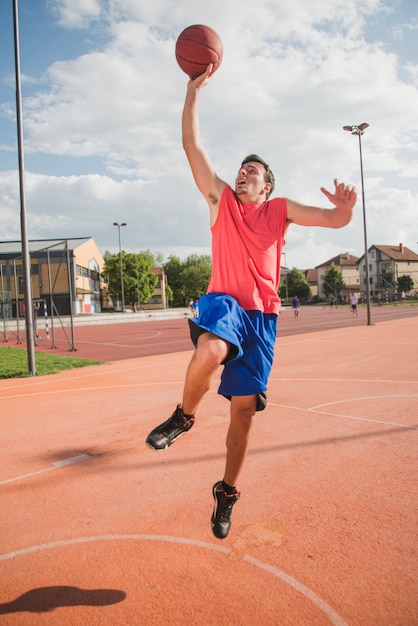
(14, 363)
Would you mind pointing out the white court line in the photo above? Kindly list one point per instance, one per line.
(347, 380)
(132, 345)
(348, 417)
(342, 332)
(359, 398)
(97, 370)
(105, 386)
(56, 465)
(289, 580)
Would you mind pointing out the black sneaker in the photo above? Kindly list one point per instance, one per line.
(221, 516)
(166, 433)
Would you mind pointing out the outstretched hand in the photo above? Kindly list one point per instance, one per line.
(344, 198)
(203, 79)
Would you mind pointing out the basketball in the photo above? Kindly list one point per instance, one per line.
(196, 47)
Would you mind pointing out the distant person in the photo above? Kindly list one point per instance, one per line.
(403, 297)
(190, 306)
(331, 303)
(354, 301)
(379, 299)
(296, 306)
(195, 307)
(237, 322)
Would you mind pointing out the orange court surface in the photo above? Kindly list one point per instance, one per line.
(97, 529)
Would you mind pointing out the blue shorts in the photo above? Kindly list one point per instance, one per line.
(252, 335)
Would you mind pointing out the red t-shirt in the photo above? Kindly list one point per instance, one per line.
(247, 241)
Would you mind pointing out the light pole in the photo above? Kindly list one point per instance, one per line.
(27, 286)
(359, 131)
(287, 294)
(121, 266)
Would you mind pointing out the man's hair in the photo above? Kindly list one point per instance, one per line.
(268, 174)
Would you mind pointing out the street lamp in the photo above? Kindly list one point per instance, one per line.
(121, 266)
(359, 131)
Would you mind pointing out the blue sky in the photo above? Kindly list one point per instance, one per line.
(102, 100)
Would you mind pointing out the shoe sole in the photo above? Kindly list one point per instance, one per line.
(167, 445)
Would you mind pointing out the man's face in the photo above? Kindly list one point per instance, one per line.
(250, 185)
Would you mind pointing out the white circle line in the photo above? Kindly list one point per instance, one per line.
(305, 591)
(289, 580)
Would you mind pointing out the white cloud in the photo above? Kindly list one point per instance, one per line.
(102, 132)
(74, 13)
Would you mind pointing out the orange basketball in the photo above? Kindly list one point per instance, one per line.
(196, 47)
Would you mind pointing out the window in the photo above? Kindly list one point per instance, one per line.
(94, 275)
(34, 269)
(82, 271)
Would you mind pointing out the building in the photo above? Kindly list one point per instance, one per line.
(65, 274)
(345, 263)
(159, 299)
(312, 280)
(386, 265)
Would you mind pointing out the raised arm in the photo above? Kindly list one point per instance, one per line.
(210, 185)
(344, 199)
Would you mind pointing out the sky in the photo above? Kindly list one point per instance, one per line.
(102, 97)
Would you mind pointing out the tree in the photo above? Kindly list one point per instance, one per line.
(195, 280)
(333, 282)
(405, 283)
(189, 278)
(198, 260)
(168, 294)
(138, 279)
(172, 270)
(297, 285)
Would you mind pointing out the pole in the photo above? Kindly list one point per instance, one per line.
(121, 273)
(286, 285)
(23, 220)
(17, 302)
(359, 130)
(138, 298)
(3, 306)
(121, 265)
(51, 301)
(70, 292)
(366, 249)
